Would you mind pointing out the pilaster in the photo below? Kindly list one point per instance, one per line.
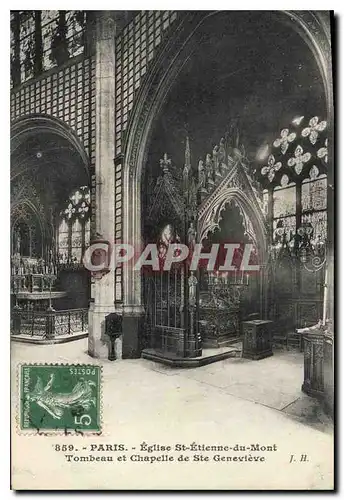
(103, 290)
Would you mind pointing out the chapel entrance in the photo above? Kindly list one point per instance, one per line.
(212, 204)
(50, 226)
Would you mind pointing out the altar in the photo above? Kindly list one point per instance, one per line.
(34, 283)
(39, 303)
(219, 308)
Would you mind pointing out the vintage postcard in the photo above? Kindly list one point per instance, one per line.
(172, 250)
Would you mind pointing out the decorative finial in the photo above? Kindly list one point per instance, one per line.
(165, 163)
(187, 162)
(187, 166)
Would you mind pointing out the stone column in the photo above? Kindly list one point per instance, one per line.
(133, 310)
(103, 290)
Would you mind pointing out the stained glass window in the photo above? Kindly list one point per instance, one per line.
(284, 201)
(301, 188)
(74, 228)
(63, 233)
(76, 243)
(48, 16)
(297, 184)
(27, 23)
(319, 225)
(43, 39)
(314, 194)
(75, 26)
(27, 44)
(49, 27)
(283, 225)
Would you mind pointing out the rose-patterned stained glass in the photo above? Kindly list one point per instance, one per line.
(284, 140)
(300, 158)
(271, 168)
(319, 224)
(312, 131)
(284, 201)
(81, 196)
(314, 194)
(76, 197)
(83, 209)
(69, 211)
(323, 152)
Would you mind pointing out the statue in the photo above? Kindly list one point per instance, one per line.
(209, 169)
(185, 178)
(216, 161)
(192, 235)
(201, 175)
(192, 282)
(222, 152)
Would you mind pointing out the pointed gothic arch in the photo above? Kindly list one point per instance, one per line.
(313, 29)
(37, 124)
(254, 224)
(47, 160)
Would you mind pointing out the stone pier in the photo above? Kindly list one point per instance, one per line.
(103, 290)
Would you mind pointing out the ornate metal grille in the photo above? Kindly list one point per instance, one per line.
(34, 323)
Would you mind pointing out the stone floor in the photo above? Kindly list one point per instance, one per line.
(39, 339)
(232, 401)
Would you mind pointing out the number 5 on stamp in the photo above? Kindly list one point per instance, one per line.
(60, 397)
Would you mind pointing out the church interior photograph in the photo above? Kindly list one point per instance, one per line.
(194, 128)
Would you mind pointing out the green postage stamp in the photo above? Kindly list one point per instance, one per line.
(60, 398)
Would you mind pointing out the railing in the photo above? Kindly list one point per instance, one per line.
(48, 324)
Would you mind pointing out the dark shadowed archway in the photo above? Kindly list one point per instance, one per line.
(314, 32)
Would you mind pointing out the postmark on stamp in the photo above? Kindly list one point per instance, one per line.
(56, 397)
